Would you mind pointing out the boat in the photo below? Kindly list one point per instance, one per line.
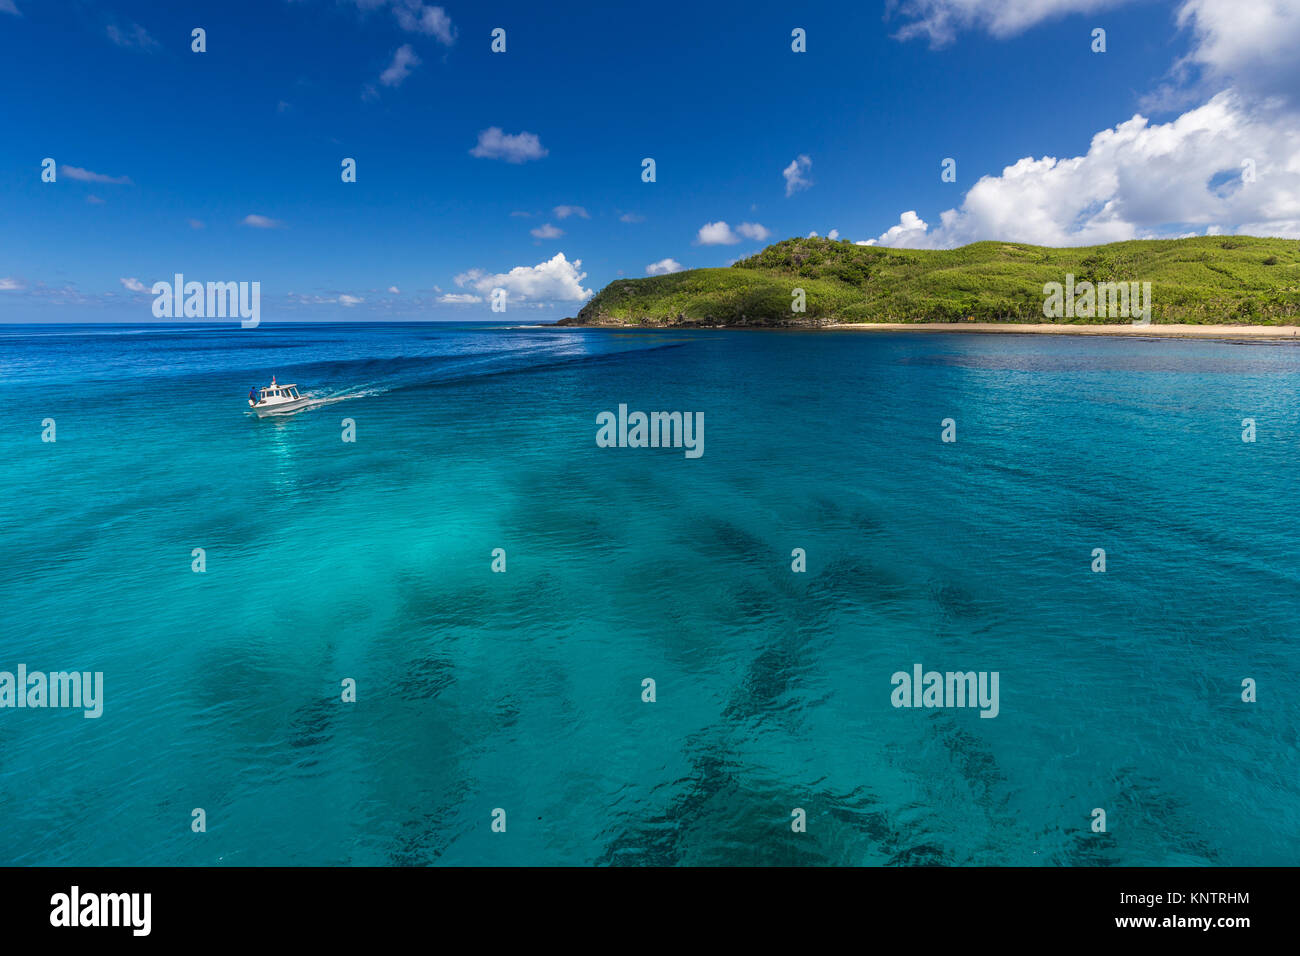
(275, 399)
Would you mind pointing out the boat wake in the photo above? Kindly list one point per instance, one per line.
(321, 399)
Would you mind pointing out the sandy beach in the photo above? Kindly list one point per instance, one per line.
(1050, 328)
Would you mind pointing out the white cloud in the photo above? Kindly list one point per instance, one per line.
(720, 234)
(795, 178)
(1252, 45)
(663, 267)
(1137, 180)
(86, 176)
(564, 212)
(134, 36)
(459, 298)
(414, 17)
(404, 61)
(95, 200)
(716, 234)
(350, 300)
(394, 290)
(555, 280)
(547, 231)
(833, 234)
(261, 222)
(909, 232)
(940, 20)
(513, 148)
(631, 217)
(814, 234)
(133, 285)
(10, 284)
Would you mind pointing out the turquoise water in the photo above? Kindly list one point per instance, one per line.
(521, 690)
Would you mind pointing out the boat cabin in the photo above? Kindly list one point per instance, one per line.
(278, 392)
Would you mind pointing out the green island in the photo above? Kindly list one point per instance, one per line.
(1202, 280)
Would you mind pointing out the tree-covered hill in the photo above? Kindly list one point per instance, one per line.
(1200, 280)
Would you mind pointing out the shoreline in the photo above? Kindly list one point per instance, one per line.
(998, 328)
(1051, 328)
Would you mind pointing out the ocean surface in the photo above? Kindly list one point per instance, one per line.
(372, 560)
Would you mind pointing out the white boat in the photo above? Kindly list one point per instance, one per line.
(274, 399)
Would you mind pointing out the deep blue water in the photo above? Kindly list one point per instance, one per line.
(371, 560)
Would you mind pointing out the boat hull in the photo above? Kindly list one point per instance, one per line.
(278, 408)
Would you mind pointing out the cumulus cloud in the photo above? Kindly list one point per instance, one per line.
(350, 300)
(1138, 180)
(546, 231)
(555, 280)
(459, 298)
(720, 234)
(663, 267)
(716, 234)
(404, 61)
(261, 222)
(796, 174)
(394, 290)
(10, 284)
(564, 212)
(833, 234)
(910, 231)
(1230, 164)
(1250, 45)
(414, 17)
(134, 285)
(941, 20)
(493, 143)
(86, 176)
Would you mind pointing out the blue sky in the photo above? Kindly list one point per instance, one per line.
(225, 165)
